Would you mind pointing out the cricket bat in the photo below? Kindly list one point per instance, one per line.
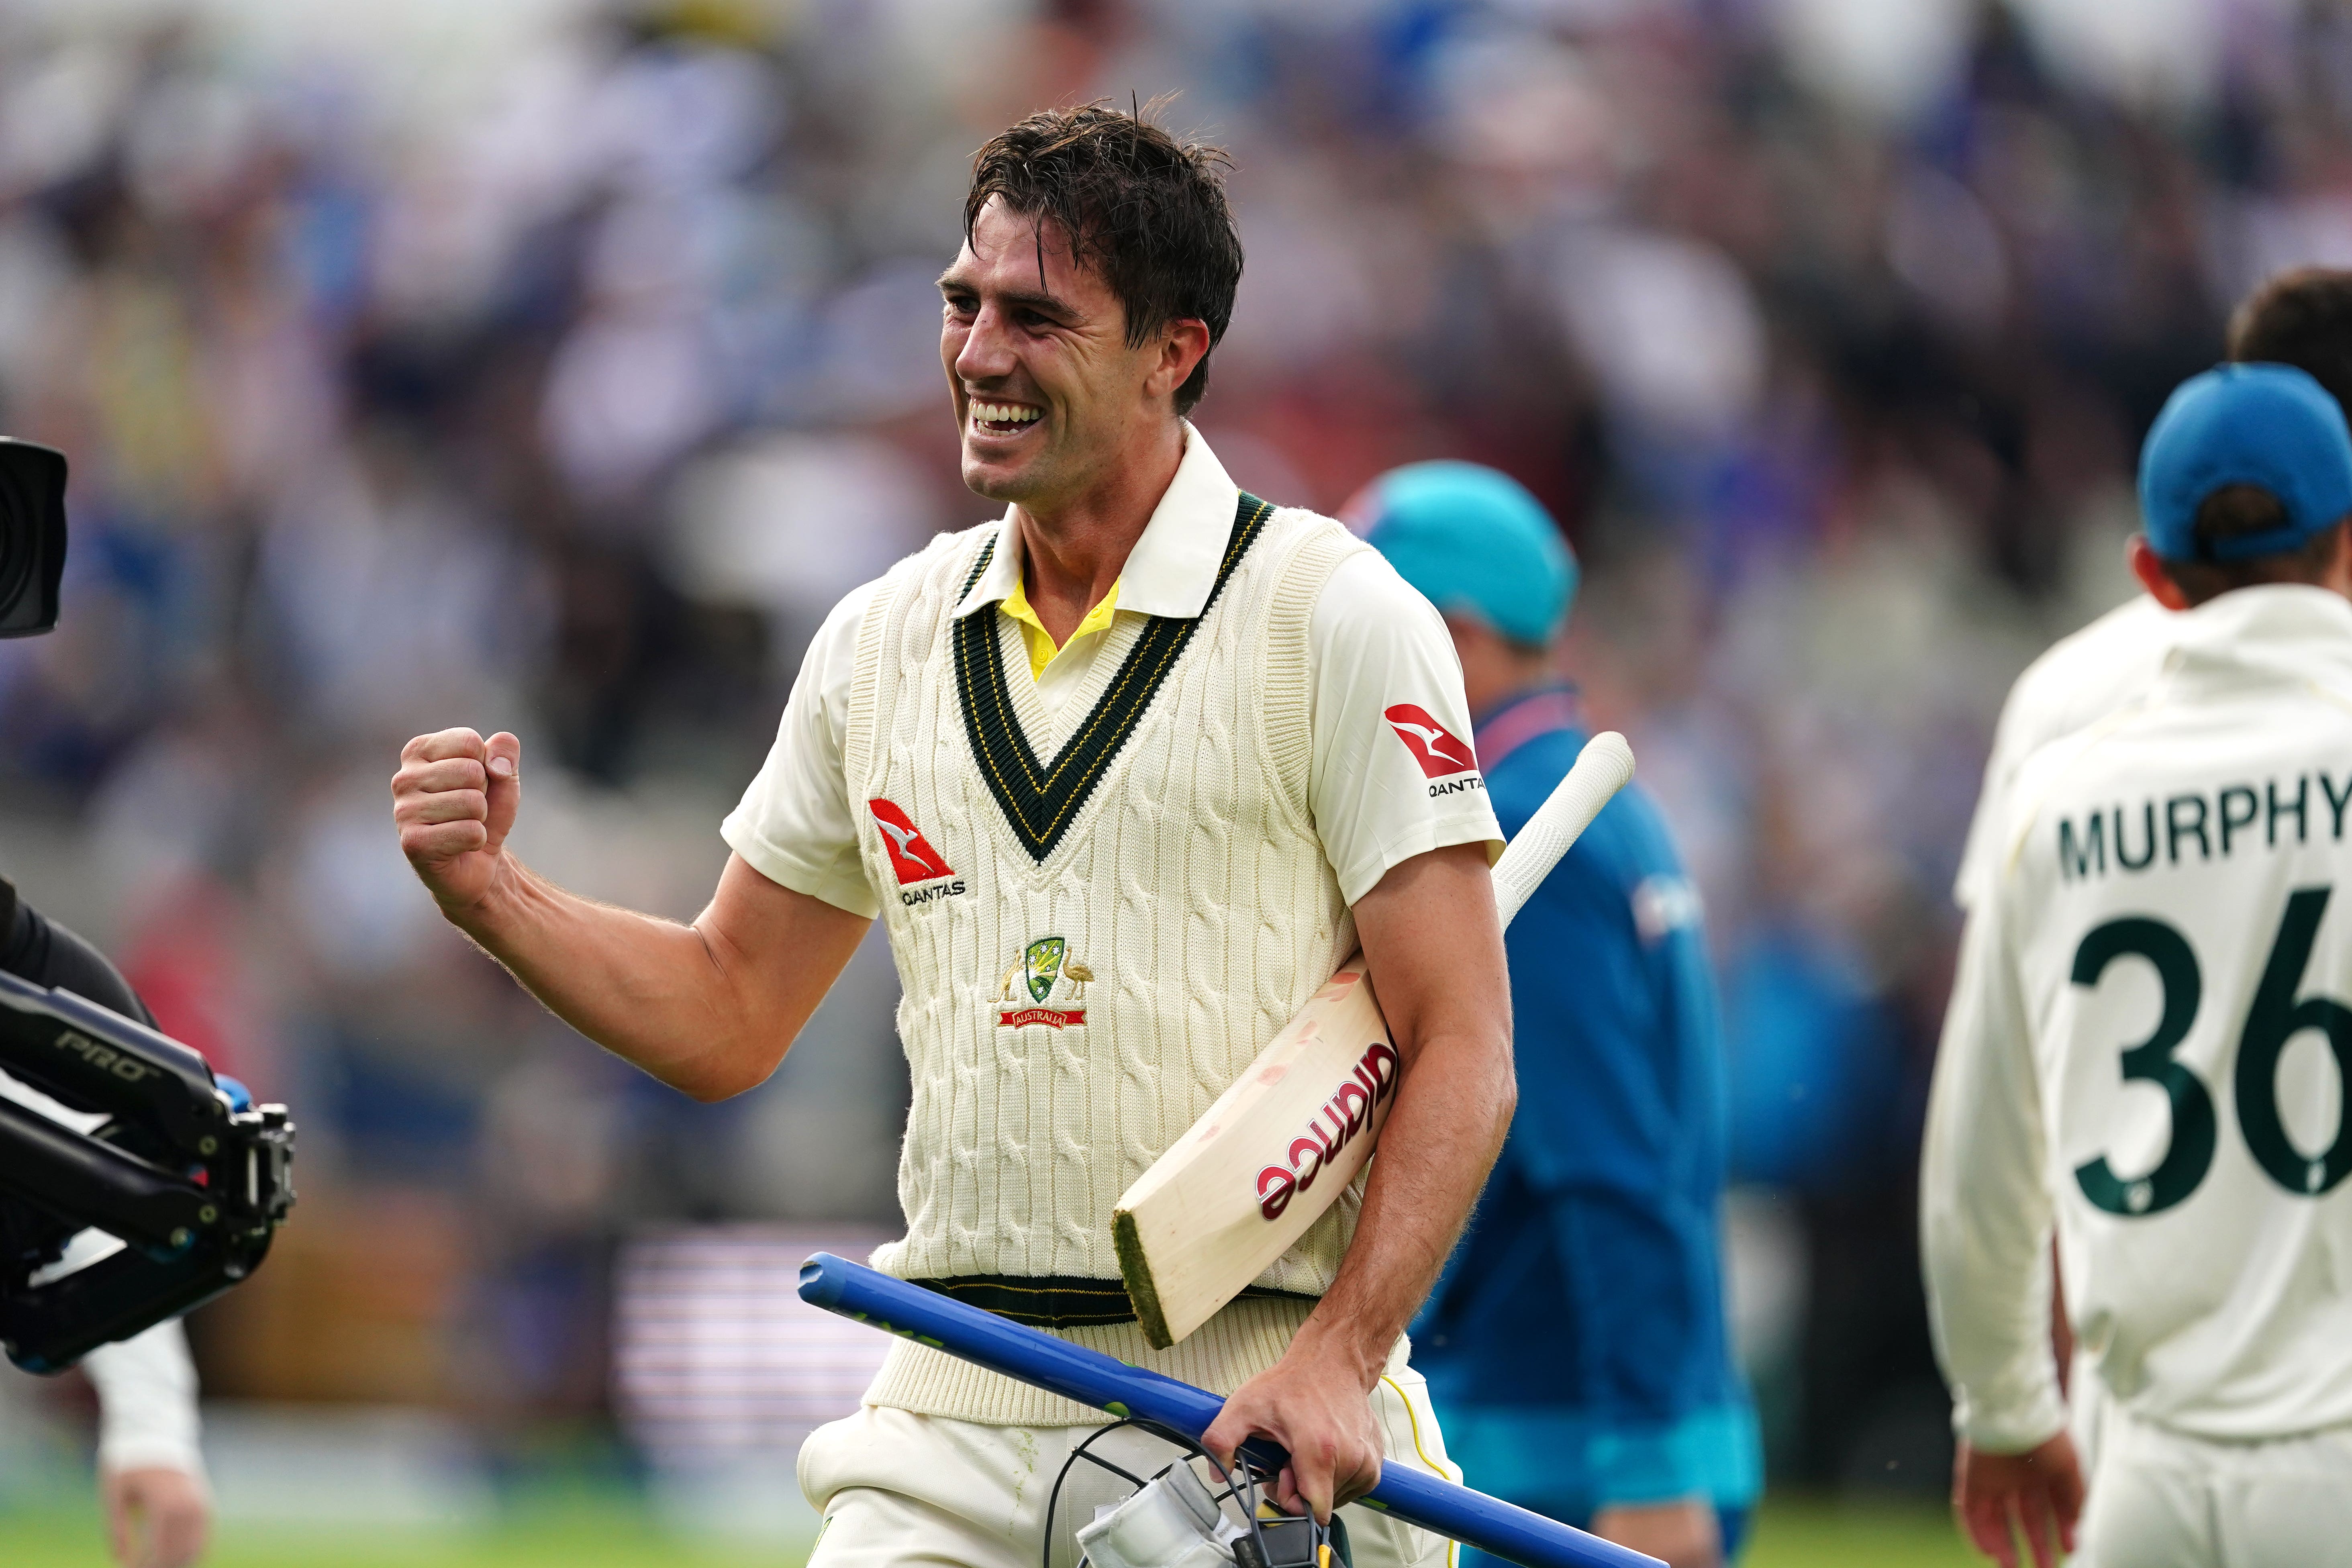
(1279, 1146)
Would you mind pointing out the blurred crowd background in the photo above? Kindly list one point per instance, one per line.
(555, 364)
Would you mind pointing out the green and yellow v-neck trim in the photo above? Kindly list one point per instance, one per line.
(1039, 801)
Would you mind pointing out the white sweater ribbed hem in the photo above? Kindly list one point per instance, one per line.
(1245, 1339)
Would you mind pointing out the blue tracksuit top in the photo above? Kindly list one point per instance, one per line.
(1575, 1346)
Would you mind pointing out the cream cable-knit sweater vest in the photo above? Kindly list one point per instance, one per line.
(1068, 1017)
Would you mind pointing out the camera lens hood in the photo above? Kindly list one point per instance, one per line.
(32, 536)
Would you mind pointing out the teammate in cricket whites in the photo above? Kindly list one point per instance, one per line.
(2301, 318)
(2149, 1051)
(1577, 1341)
(1127, 775)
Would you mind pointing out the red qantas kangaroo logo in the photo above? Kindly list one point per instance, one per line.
(911, 855)
(1434, 747)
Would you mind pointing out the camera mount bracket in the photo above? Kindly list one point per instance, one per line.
(183, 1171)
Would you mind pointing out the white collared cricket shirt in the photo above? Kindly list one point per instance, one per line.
(1105, 892)
(2148, 1050)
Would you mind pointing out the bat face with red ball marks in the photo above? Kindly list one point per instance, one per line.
(1357, 1106)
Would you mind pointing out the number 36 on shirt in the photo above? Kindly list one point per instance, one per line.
(2277, 1016)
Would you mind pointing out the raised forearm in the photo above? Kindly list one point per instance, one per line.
(653, 992)
(709, 1008)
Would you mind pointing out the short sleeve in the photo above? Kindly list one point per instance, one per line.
(1392, 773)
(793, 825)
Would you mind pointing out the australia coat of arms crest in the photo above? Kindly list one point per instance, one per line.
(1045, 972)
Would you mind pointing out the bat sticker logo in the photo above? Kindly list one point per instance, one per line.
(1440, 753)
(911, 855)
(1348, 1112)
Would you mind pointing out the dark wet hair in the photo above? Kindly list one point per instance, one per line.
(1143, 207)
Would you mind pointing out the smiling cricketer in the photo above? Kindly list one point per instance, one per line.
(1126, 774)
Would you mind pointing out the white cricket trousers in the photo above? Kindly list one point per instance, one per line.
(898, 1489)
(2160, 1500)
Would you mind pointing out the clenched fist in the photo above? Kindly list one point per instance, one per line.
(453, 799)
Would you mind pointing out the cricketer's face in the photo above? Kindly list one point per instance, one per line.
(1048, 395)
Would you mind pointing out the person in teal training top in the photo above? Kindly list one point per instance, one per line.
(1576, 1346)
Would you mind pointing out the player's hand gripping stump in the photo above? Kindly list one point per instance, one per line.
(1278, 1147)
(1058, 1366)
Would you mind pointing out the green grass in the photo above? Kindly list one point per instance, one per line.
(1790, 1534)
(1803, 1534)
(578, 1537)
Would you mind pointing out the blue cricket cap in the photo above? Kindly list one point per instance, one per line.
(2270, 425)
(1474, 542)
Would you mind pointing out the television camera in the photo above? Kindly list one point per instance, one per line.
(135, 1184)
